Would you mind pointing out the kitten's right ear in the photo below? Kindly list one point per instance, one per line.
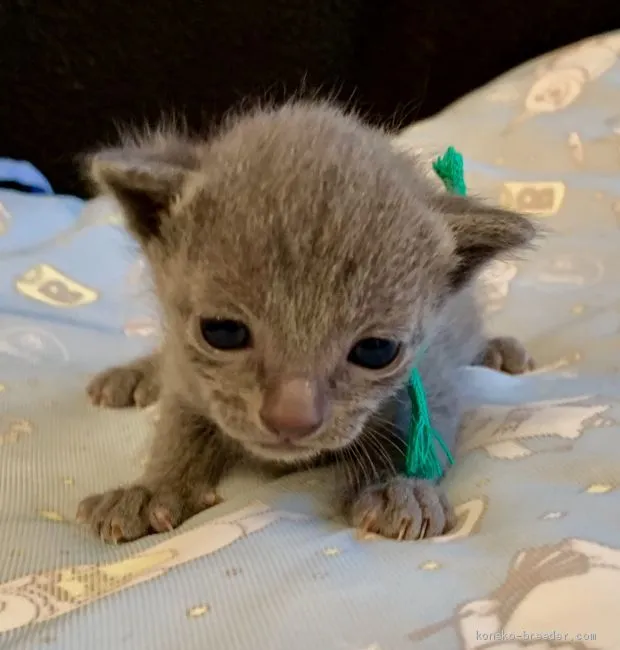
(144, 177)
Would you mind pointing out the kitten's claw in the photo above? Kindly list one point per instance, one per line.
(508, 355)
(117, 534)
(402, 509)
(135, 384)
(161, 519)
(127, 514)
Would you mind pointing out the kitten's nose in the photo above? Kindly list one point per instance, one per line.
(293, 407)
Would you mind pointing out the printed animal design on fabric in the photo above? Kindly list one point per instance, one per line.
(614, 124)
(41, 597)
(137, 275)
(563, 77)
(576, 148)
(469, 516)
(561, 366)
(144, 327)
(47, 284)
(14, 430)
(5, 219)
(543, 199)
(559, 271)
(97, 212)
(32, 344)
(502, 431)
(557, 596)
(495, 283)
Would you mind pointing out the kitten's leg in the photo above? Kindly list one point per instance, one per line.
(507, 354)
(378, 498)
(134, 384)
(187, 460)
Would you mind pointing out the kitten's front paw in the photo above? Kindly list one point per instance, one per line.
(403, 509)
(507, 354)
(126, 514)
(135, 384)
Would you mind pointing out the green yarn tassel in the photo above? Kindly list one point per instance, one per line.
(449, 168)
(422, 460)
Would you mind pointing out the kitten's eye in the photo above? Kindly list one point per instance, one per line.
(373, 353)
(224, 334)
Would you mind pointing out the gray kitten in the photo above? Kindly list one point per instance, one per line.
(303, 267)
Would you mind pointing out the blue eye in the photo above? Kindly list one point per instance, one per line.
(223, 334)
(374, 353)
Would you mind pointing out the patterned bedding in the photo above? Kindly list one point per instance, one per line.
(534, 561)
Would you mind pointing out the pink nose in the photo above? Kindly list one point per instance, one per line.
(293, 407)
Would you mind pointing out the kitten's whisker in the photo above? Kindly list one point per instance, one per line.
(388, 437)
(352, 474)
(376, 445)
(359, 459)
(381, 419)
(385, 426)
(372, 467)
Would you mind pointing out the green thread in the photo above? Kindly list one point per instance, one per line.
(449, 168)
(422, 460)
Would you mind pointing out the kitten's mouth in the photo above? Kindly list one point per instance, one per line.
(285, 447)
(282, 451)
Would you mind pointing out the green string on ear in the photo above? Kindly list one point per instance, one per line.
(422, 460)
(449, 168)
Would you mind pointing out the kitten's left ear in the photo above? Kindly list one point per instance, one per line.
(482, 233)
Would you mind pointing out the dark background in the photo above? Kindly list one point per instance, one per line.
(70, 69)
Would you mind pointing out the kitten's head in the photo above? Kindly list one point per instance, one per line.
(300, 261)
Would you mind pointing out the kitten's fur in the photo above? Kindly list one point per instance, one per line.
(310, 228)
